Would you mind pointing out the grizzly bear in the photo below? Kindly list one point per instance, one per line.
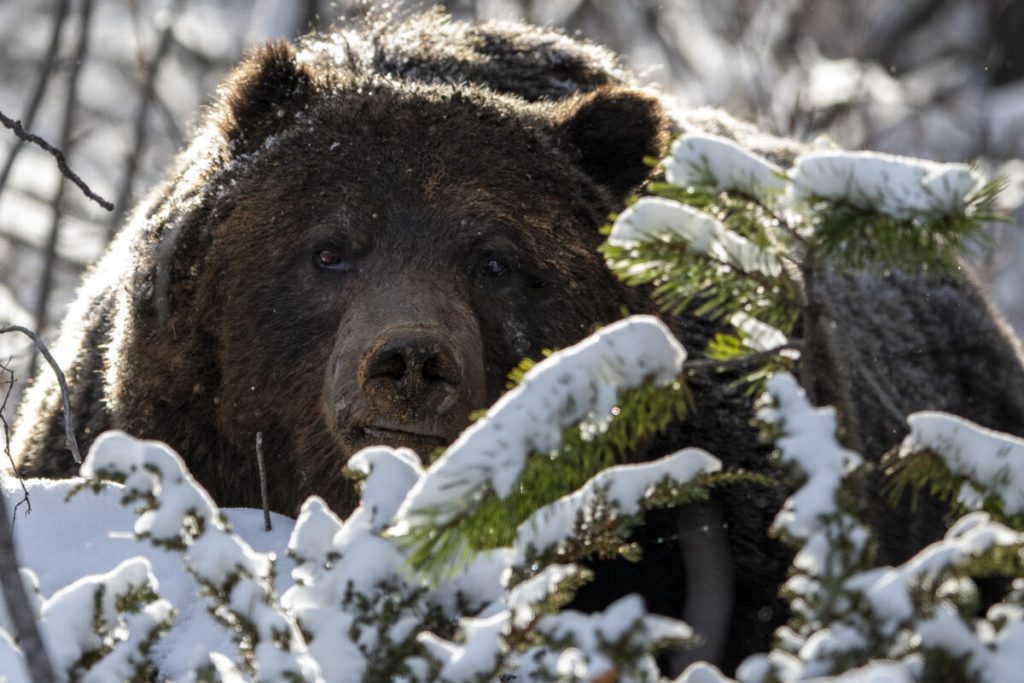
(369, 229)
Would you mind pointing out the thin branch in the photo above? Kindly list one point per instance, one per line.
(62, 163)
(263, 482)
(18, 606)
(885, 399)
(7, 446)
(139, 134)
(699, 364)
(50, 255)
(69, 428)
(59, 15)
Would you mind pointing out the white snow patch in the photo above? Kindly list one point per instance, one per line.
(760, 336)
(655, 219)
(900, 187)
(623, 487)
(993, 461)
(808, 441)
(704, 159)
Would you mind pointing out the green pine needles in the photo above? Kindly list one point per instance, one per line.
(729, 232)
(493, 520)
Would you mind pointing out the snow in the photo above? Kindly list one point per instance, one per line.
(655, 219)
(67, 616)
(808, 441)
(991, 460)
(95, 530)
(598, 636)
(899, 187)
(890, 589)
(994, 660)
(702, 672)
(703, 159)
(579, 384)
(760, 336)
(621, 488)
(177, 513)
(523, 599)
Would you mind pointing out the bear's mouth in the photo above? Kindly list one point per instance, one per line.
(415, 436)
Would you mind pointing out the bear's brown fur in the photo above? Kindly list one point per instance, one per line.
(369, 230)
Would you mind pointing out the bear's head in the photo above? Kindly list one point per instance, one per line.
(361, 260)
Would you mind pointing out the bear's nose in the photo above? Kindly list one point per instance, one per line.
(412, 372)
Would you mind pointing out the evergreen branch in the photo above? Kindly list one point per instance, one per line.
(741, 214)
(857, 238)
(720, 363)
(492, 522)
(682, 278)
(926, 470)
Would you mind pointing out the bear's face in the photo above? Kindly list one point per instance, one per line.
(382, 256)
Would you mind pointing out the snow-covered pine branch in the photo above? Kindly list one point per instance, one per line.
(919, 621)
(571, 415)
(174, 512)
(983, 467)
(97, 629)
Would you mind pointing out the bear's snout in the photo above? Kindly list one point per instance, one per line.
(412, 371)
(405, 371)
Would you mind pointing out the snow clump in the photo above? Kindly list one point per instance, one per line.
(655, 219)
(993, 462)
(704, 159)
(896, 186)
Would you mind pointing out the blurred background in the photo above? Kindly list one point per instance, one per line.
(116, 85)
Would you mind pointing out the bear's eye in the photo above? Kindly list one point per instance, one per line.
(494, 266)
(330, 259)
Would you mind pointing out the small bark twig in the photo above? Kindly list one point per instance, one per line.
(69, 427)
(18, 606)
(62, 163)
(7, 446)
(263, 482)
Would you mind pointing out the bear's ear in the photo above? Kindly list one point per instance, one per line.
(613, 129)
(261, 96)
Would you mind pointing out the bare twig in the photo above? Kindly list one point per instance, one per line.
(7, 445)
(18, 607)
(46, 281)
(124, 194)
(69, 428)
(60, 13)
(62, 163)
(263, 482)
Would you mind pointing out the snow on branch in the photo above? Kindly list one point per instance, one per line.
(991, 461)
(654, 219)
(899, 187)
(711, 160)
(99, 628)
(353, 594)
(808, 442)
(175, 513)
(115, 617)
(578, 385)
(616, 492)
